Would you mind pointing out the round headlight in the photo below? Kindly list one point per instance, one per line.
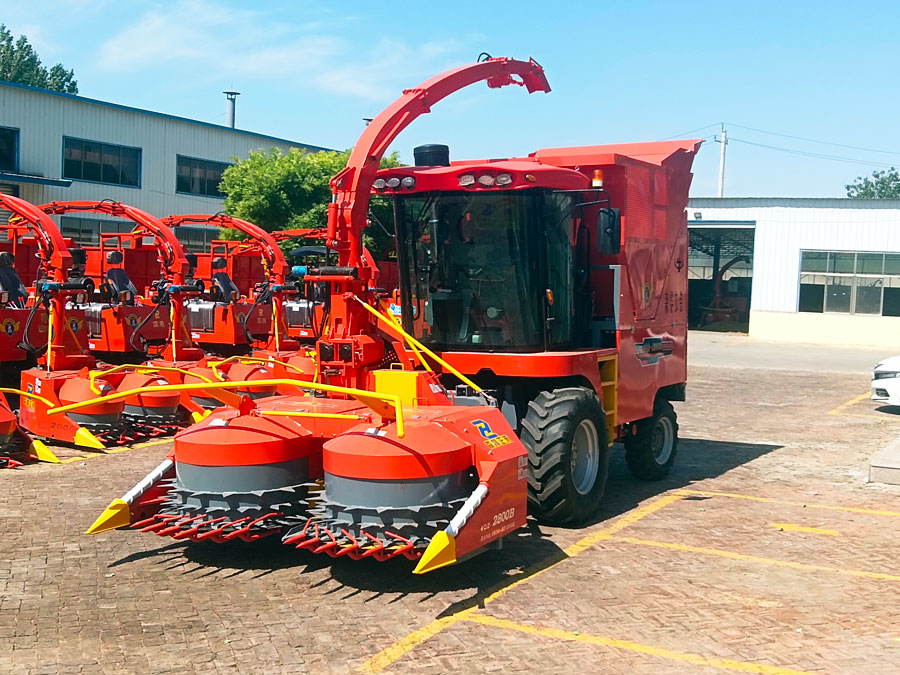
(408, 182)
(486, 179)
(379, 183)
(467, 179)
(393, 182)
(504, 179)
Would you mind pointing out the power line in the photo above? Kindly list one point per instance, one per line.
(714, 124)
(816, 155)
(813, 140)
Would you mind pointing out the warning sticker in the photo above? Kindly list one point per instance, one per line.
(523, 467)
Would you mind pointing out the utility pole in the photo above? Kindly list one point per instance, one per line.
(724, 141)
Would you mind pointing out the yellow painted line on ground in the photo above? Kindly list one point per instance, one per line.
(659, 652)
(853, 401)
(773, 500)
(788, 527)
(754, 559)
(404, 645)
(109, 451)
(148, 444)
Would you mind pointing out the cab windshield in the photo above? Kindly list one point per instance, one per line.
(475, 268)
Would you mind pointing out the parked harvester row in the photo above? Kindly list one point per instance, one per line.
(539, 317)
(84, 306)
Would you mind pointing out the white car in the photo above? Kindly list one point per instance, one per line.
(886, 381)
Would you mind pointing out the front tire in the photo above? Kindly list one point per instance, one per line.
(565, 433)
(650, 450)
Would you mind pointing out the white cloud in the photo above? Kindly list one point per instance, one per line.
(201, 40)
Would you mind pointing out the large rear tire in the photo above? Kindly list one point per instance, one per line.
(565, 433)
(650, 451)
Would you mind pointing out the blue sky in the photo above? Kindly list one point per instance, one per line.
(623, 71)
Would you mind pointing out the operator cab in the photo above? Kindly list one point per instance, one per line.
(10, 283)
(494, 256)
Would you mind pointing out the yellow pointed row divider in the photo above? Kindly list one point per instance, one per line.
(118, 513)
(387, 406)
(40, 451)
(441, 549)
(37, 449)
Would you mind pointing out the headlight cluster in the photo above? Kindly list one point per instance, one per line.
(394, 182)
(485, 179)
(884, 374)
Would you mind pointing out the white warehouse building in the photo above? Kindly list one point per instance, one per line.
(56, 147)
(816, 270)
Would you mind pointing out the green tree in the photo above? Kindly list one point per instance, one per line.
(881, 185)
(20, 63)
(282, 191)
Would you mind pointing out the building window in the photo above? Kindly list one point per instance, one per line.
(199, 176)
(196, 239)
(101, 162)
(850, 282)
(9, 149)
(87, 230)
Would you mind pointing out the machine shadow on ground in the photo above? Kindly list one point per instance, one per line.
(524, 551)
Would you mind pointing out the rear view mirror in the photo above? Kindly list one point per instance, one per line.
(609, 231)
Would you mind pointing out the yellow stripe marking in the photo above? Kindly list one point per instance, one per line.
(753, 558)
(772, 500)
(788, 527)
(108, 451)
(853, 401)
(625, 521)
(404, 645)
(684, 657)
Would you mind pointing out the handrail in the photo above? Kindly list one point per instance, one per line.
(249, 359)
(387, 406)
(94, 374)
(397, 327)
(10, 390)
(297, 413)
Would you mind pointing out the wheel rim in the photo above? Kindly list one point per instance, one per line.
(585, 457)
(663, 440)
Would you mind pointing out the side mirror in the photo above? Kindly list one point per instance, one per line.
(609, 231)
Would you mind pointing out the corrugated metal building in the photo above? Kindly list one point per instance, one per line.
(803, 270)
(57, 146)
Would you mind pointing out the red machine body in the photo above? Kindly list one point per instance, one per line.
(122, 315)
(270, 292)
(63, 376)
(639, 293)
(435, 430)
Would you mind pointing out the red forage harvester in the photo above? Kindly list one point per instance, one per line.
(531, 328)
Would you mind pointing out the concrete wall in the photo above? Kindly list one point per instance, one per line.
(835, 329)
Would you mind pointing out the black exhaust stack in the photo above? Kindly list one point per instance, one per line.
(432, 155)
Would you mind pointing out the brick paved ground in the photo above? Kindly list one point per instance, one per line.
(703, 584)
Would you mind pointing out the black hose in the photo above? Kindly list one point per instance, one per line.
(264, 294)
(137, 331)
(26, 343)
